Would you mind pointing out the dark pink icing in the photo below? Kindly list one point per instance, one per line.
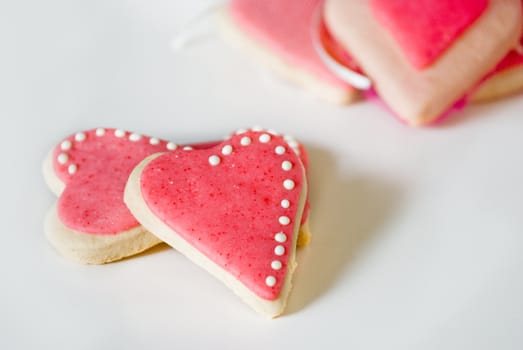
(229, 212)
(424, 29)
(284, 26)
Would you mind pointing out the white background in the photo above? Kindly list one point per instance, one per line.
(418, 233)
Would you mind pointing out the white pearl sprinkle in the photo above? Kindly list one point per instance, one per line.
(80, 136)
(135, 137)
(270, 281)
(171, 146)
(280, 237)
(276, 265)
(226, 150)
(279, 150)
(279, 250)
(285, 203)
(100, 132)
(264, 138)
(284, 220)
(72, 168)
(293, 144)
(240, 131)
(288, 138)
(62, 158)
(66, 145)
(272, 131)
(257, 128)
(288, 184)
(245, 141)
(187, 148)
(154, 141)
(214, 160)
(119, 133)
(286, 165)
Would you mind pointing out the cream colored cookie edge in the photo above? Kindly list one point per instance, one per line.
(136, 204)
(502, 84)
(95, 249)
(52, 181)
(233, 35)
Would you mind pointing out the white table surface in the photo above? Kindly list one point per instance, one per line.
(418, 233)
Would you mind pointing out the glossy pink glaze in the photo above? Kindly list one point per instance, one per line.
(92, 201)
(424, 29)
(284, 26)
(229, 212)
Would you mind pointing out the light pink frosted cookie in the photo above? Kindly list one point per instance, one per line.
(423, 56)
(278, 33)
(234, 209)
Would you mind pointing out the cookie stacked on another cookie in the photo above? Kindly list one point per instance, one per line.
(238, 208)
(423, 57)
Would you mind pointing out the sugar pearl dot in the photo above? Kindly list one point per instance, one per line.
(171, 146)
(276, 265)
(240, 131)
(214, 160)
(284, 220)
(245, 141)
(264, 138)
(279, 150)
(119, 133)
(285, 203)
(288, 184)
(187, 148)
(286, 165)
(135, 137)
(257, 128)
(80, 136)
(293, 143)
(270, 281)
(62, 158)
(100, 132)
(288, 138)
(279, 250)
(71, 169)
(280, 237)
(226, 150)
(154, 141)
(66, 145)
(272, 131)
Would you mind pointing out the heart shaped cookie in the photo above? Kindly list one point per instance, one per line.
(234, 209)
(88, 172)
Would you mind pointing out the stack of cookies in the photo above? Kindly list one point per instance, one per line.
(238, 208)
(421, 58)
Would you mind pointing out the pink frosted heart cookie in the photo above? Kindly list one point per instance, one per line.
(234, 209)
(88, 171)
(424, 56)
(278, 33)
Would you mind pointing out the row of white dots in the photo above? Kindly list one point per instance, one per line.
(289, 139)
(67, 145)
